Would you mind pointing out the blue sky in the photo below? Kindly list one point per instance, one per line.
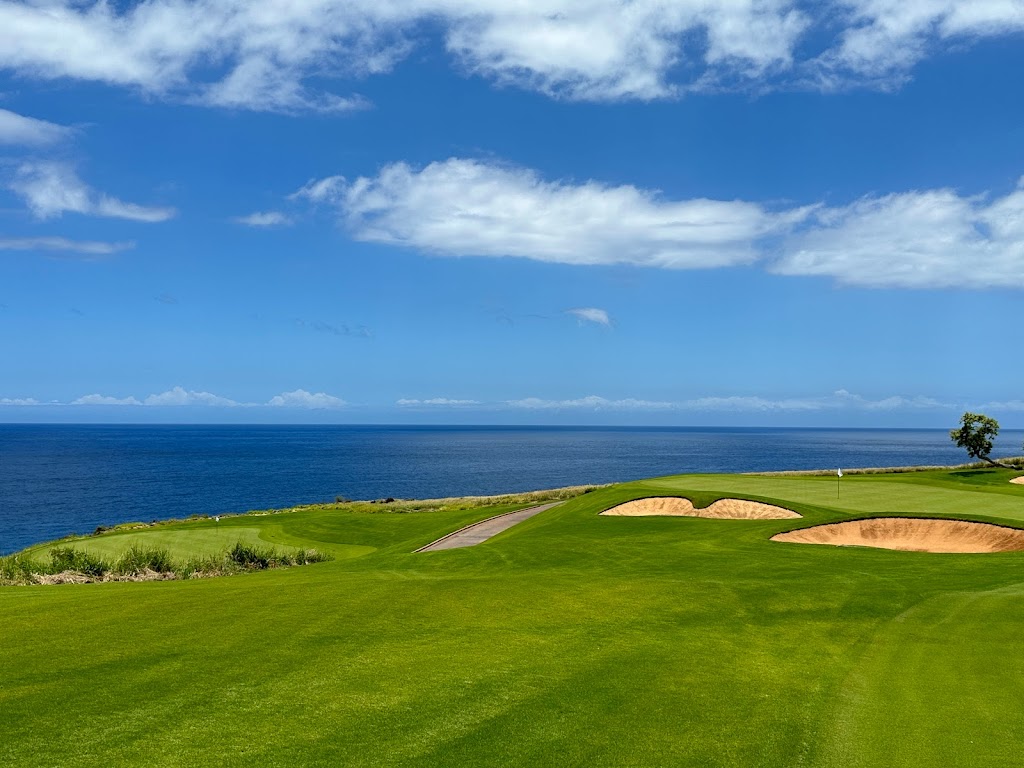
(464, 211)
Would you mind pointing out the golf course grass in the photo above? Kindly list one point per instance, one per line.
(183, 542)
(571, 639)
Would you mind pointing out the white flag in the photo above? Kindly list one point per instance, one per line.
(839, 472)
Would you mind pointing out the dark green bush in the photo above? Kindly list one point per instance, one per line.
(17, 569)
(248, 556)
(142, 562)
(71, 559)
(141, 559)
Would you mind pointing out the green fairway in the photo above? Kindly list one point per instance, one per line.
(569, 640)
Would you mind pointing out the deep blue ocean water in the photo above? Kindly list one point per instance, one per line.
(60, 479)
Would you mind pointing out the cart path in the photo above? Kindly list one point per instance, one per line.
(485, 529)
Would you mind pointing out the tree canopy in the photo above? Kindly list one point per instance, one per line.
(976, 433)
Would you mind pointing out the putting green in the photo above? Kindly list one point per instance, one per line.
(923, 493)
(571, 639)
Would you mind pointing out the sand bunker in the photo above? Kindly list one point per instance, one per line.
(1018, 480)
(724, 509)
(912, 534)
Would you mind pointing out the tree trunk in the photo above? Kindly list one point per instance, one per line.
(996, 463)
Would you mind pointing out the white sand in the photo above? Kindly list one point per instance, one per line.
(912, 534)
(724, 509)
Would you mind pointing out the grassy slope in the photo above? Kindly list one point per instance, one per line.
(571, 639)
(181, 541)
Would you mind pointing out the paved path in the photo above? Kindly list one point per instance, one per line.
(485, 529)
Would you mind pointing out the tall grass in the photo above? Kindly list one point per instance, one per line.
(139, 563)
(64, 559)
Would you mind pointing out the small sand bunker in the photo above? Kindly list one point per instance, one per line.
(1018, 480)
(724, 509)
(912, 534)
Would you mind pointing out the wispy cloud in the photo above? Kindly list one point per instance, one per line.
(182, 396)
(300, 398)
(471, 208)
(926, 239)
(62, 244)
(264, 219)
(51, 189)
(444, 402)
(591, 315)
(266, 55)
(177, 396)
(880, 41)
(29, 131)
(838, 400)
(591, 402)
(1000, 405)
(335, 329)
(97, 399)
(330, 189)
(266, 52)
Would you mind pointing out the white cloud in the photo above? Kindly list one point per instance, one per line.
(19, 401)
(270, 55)
(105, 400)
(300, 398)
(591, 315)
(236, 53)
(263, 219)
(881, 40)
(839, 400)
(926, 239)
(180, 396)
(599, 50)
(435, 402)
(49, 189)
(328, 190)
(919, 239)
(469, 208)
(259, 54)
(591, 402)
(750, 403)
(1001, 405)
(85, 247)
(29, 131)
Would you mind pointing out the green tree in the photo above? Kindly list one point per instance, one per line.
(976, 433)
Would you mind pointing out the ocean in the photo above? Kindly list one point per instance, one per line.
(61, 479)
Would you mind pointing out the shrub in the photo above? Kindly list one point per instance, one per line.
(17, 569)
(77, 566)
(307, 556)
(248, 556)
(141, 559)
(71, 559)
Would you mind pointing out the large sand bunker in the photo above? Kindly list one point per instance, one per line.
(912, 534)
(1018, 480)
(724, 509)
